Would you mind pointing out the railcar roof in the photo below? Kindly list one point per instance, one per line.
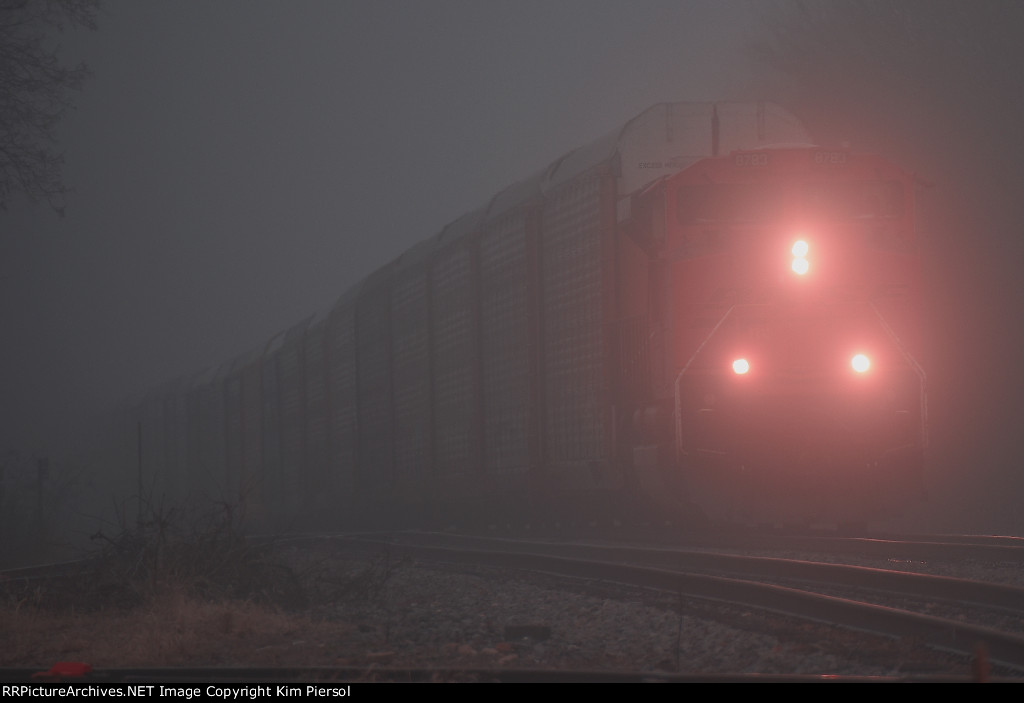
(658, 142)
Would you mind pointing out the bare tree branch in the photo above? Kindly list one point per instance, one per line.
(35, 90)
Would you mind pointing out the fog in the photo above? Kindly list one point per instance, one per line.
(933, 84)
(237, 165)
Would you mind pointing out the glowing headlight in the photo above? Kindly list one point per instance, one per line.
(799, 251)
(740, 366)
(860, 363)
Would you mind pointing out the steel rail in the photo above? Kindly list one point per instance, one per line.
(959, 590)
(1004, 648)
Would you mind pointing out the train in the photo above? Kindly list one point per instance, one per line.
(700, 310)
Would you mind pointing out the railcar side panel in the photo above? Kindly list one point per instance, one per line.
(293, 416)
(316, 415)
(411, 338)
(505, 344)
(573, 356)
(374, 388)
(270, 475)
(342, 375)
(250, 478)
(233, 435)
(454, 334)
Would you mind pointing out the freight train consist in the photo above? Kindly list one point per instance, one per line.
(698, 307)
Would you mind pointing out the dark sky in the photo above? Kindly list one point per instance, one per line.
(238, 164)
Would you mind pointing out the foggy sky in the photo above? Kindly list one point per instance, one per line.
(238, 164)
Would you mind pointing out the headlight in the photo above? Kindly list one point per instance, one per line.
(799, 251)
(860, 363)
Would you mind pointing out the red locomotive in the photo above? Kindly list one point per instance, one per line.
(643, 316)
(788, 288)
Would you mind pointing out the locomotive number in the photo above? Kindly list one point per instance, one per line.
(750, 160)
(830, 158)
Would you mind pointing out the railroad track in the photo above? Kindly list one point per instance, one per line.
(914, 547)
(946, 613)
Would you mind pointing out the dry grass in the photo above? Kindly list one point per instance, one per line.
(160, 595)
(170, 630)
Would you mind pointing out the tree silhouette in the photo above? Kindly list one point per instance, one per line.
(35, 88)
(920, 75)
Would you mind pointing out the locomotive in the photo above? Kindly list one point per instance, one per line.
(791, 288)
(669, 311)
